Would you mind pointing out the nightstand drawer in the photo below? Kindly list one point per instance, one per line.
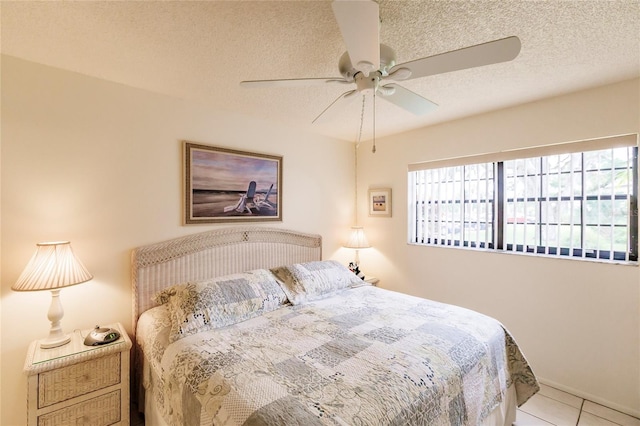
(75, 384)
(101, 411)
(75, 380)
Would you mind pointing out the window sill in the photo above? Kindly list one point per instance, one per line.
(532, 255)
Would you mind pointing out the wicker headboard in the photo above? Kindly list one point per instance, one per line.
(214, 253)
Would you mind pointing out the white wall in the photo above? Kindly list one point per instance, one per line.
(100, 164)
(578, 322)
(0, 234)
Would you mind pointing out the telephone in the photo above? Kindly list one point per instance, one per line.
(101, 336)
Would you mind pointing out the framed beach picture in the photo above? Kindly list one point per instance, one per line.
(380, 202)
(227, 185)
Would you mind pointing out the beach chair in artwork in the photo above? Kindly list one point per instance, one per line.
(260, 201)
(246, 200)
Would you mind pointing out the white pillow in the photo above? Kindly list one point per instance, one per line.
(305, 282)
(221, 301)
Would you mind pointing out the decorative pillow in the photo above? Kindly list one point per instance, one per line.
(221, 301)
(304, 282)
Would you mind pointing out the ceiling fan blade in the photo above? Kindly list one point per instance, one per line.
(336, 107)
(359, 24)
(492, 52)
(407, 99)
(294, 82)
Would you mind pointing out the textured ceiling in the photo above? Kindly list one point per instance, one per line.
(202, 50)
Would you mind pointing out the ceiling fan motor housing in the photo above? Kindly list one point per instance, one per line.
(367, 84)
(387, 61)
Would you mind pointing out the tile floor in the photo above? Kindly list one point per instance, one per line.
(552, 407)
(549, 407)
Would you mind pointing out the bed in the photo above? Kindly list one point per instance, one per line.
(249, 326)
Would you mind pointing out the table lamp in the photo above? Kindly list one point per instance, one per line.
(357, 240)
(52, 267)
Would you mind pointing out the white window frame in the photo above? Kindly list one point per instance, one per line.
(426, 202)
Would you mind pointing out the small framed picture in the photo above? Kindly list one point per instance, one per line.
(380, 202)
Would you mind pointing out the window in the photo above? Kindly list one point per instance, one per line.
(577, 200)
(456, 205)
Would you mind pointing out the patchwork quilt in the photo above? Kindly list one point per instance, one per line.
(365, 356)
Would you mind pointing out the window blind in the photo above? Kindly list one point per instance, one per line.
(538, 151)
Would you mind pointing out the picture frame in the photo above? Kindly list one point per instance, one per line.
(229, 185)
(380, 202)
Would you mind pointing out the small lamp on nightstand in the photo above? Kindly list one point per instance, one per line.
(52, 267)
(357, 240)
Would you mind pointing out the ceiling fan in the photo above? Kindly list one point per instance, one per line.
(372, 67)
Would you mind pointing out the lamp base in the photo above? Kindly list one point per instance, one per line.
(49, 342)
(56, 336)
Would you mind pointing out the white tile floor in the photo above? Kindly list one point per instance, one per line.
(552, 407)
(549, 407)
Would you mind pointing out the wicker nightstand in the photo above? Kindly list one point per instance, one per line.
(78, 384)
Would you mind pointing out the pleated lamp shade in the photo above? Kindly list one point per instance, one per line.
(357, 239)
(53, 266)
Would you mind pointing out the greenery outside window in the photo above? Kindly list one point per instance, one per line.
(577, 200)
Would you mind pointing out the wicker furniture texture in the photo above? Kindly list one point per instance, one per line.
(210, 254)
(215, 253)
(78, 384)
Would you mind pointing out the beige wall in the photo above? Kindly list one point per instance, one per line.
(578, 322)
(0, 235)
(100, 164)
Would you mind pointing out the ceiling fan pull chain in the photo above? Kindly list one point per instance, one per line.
(361, 121)
(356, 146)
(373, 150)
